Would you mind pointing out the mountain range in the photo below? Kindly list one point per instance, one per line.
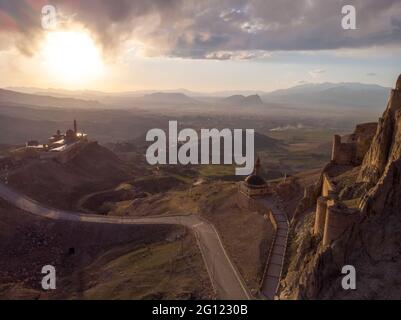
(332, 95)
(323, 95)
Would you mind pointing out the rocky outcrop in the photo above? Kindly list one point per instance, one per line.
(386, 145)
(371, 244)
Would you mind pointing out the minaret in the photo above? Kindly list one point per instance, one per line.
(258, 169)
(75, 127)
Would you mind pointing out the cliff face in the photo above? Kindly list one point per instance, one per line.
(386, 145)
(372, 245)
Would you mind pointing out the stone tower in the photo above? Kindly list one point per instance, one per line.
(258, 166)
(75, 127)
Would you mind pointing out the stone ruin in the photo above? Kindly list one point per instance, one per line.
(353, 149)
(370, 146)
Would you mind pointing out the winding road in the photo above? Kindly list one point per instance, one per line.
(225, 278)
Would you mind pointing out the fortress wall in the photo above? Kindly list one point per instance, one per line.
(345, 154)
(342, 153)
(320, 216)
(356, 146)
(336, 147)
(365, 133)
(338, 218)
(327, 186)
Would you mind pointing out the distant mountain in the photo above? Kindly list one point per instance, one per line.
(352, 95)
(9, 96)
(240, 100)
(134, 93)
(168, 98)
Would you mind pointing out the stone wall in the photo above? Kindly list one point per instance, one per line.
(354, 149)
(338, 218)
(342, 153)
(320, 217)
(331, 217)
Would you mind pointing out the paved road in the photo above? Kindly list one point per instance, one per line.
(224, 276)
(276, 259)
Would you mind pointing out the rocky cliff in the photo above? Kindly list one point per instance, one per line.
(372, 244)
(386, 145)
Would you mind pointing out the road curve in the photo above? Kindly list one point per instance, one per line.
(225, 278)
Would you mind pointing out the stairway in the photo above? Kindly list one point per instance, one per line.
(276, 256)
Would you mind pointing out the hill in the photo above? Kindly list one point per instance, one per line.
(168, 98)
(46, 101)
(242, 101)
(351, 95)
(61, 185)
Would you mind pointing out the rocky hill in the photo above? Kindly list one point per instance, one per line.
(372, 243)
(240, 100)
(58, 184)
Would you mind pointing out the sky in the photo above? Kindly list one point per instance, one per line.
(200, 45)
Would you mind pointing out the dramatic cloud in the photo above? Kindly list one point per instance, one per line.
(227, 29)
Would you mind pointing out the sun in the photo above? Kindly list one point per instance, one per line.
(71, 56)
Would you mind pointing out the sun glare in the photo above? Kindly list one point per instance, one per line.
(71, 56)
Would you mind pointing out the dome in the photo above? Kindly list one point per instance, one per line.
(398, 84)
(255, 180)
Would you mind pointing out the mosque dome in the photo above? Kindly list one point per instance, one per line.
(255, 180)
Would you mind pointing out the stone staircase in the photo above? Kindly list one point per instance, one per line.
(275, 260)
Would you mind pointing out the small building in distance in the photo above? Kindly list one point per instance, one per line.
(253, 188)
(59, 141)
(254, 185)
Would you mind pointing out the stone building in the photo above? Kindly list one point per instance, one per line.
(331, 217)
(252, 189)
(356, 145)
(254, 185)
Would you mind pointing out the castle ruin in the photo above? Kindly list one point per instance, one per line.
(332, 216)
(355, 146)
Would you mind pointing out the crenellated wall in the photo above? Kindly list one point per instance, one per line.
(338, 218)
(320, 217)
(354, 149)
(331, 217)
(343, 153)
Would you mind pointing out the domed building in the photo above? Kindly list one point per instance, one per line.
(254, 185)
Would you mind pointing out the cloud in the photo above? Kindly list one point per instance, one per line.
(205, 29)
(238, 55)
(371, 74)
(315, 73)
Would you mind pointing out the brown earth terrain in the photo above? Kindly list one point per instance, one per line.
(62, 184)
(95, 261)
